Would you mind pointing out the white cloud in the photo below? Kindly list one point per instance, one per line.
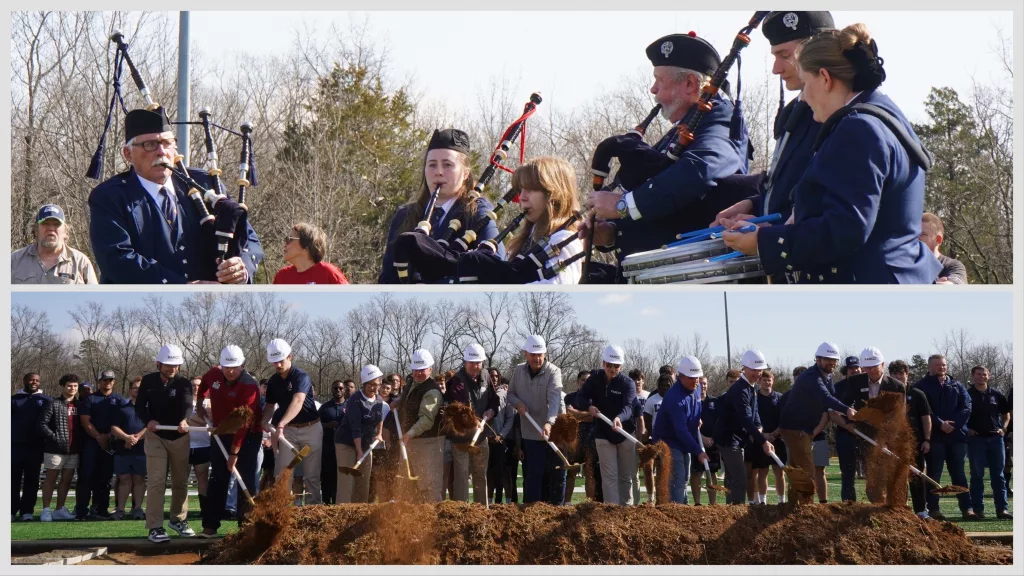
(615, 298)
(650, 311)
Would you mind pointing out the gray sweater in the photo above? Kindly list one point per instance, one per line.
(542, 395)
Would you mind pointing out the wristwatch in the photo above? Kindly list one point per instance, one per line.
(622, 207)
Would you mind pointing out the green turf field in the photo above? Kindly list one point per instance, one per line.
(36, 530)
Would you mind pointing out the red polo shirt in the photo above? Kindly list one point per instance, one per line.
(225, 397)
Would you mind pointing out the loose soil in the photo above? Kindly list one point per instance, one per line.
(136, 559)
(592, 533)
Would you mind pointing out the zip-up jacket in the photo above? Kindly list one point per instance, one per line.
(614, 399)
(737, 416)
(807, 400)
(540, 392)
(167, 403)
(60, 427)
(25, 411)
(678, 423)
(949, 400)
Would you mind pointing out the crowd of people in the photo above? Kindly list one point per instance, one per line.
(826, 187)
(390, 426)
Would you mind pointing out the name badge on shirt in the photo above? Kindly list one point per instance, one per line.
(66, 275)
(863, 389)
(216, 386)
(289, 387)
(992, 400)
(615, 392)
(172, 393)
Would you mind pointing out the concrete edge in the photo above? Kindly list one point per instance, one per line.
(1005, 538)
(137, 545)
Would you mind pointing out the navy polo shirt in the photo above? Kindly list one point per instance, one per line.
(331, 411)
(280, 392)
(987, 409)
(102, 410)
(25, 411)
(129, 422)
(768, 410)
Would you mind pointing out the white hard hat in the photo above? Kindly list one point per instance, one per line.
(231, 357)
(535, 344)
(754, 360)
(870, 357)
(828, 350)
(171, 355)
(474, 353)
(421, 360)
(689, 366)
(613, 354)
(369, 372)
(278, 350)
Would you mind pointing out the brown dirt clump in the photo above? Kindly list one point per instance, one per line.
(664, 473)
(592, 533)
(459, 420)
(565, 431)
(236, 420)
(271, 516)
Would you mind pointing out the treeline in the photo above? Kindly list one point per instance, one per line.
(339, 143)
(383, 331)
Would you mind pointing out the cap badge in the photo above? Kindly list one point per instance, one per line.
(790, 20)
(666, 48)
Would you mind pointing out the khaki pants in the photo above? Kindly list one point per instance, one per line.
(461, 464)
(426, 457)
(352, 488)
(161, 454)
(801, 456)
(312, 436)
(618, 463)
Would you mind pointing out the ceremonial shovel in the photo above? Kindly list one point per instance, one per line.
(567, 465)
(472, 448)
(354, 471)
(647, 452)
(405, 453)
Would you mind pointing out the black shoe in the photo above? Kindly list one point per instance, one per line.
(937, 515)
(182, 528)
(158, 536)
(971, 515)
(98, 515)
(230, 514)
(1004, 515)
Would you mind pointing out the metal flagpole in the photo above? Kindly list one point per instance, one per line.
(183, 85)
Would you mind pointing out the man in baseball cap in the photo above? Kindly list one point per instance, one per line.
(165, 399)
(470, 387)
(610, 392)
(738, 425)
(678, 425)
(291, 408)
(230, 386)
(535, 388)
(858, 389)
(801, 418)
(417, 411)
(97, 412)
(49, 260)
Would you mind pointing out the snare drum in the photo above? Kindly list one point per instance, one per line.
(702, 272)
(643, 262)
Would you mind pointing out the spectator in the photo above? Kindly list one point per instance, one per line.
(129, 432)
(199, 447)
(535, 388)
(49, 260)
(165, 398)
(919, 414)
(986, 428)
(267, 466)
(62, 432)
(768, 411)
(396, 385)
(229, 386)
(96, 413)
(502, 426)
(468, 386)
(849, 447)
(642, 431)
(586, 446)
(27, 446)
(1009, 446)
(331, 414)
(708, 416)
(304, 251)
(417, 410)
(739, 424)
(932, 234)
(610, 393)
(679, 425)
(951, 408)
(362, 424)
(651, 407)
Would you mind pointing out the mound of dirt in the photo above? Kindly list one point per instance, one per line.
(592, 533)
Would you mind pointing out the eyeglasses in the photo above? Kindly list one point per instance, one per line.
(338, 388)
(151, 145)
(288, 239)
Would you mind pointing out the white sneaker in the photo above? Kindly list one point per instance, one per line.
(46, 515)
(26, 517)
(924, 515)
(63, 514)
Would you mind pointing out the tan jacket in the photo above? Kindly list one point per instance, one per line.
(73, 267)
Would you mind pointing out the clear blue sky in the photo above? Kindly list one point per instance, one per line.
(786, 325)
(571, 56)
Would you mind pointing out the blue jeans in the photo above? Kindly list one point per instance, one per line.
(953, 456)
(987, 452)
(217, 490)
(538, 454)
(846, 449)
(680, 476)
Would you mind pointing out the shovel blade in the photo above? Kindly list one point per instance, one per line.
(299, 457)
(350, 471)
(950, 490)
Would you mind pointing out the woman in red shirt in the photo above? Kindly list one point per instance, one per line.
(304, 250)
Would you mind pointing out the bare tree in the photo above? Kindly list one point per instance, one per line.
(129, 341)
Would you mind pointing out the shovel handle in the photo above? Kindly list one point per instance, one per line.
(889, 452)
(187, 428)
(619, 430)
(401, 442)
(479, 429)
(288, 444)
(237, 474)
(776, 458)
(550, 443)
(366, 453)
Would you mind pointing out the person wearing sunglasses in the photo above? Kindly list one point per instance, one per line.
(305, 248)
(144, 229)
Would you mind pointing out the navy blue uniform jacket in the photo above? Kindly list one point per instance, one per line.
(388, 275)
(776, 195)
(809, 398)
(857, 210)
(737, 418)
(662, 200)
(25, 411)
(614, 399)
(949, 402)
(132, 245)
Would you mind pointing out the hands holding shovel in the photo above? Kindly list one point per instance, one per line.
(647, 452)
(545, 432)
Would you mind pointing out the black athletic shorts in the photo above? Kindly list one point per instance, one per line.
(197, 456)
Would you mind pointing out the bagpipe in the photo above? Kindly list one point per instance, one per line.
(222, 220)
(434, 260)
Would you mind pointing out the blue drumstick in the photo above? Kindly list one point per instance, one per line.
(729, 256)
(769, 219)
(716, 232)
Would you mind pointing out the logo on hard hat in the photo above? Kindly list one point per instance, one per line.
(790, 20)
(666, 48)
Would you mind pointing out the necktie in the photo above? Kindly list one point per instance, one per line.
(435, 220)
(169, 208)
